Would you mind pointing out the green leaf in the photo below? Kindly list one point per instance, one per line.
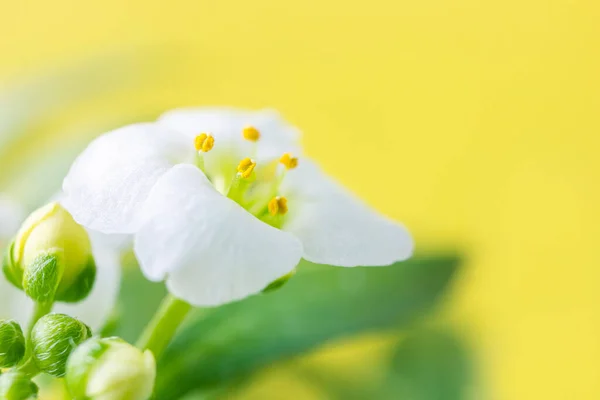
(320, 304)
(138, 301)
(426, 365)
(429, 365)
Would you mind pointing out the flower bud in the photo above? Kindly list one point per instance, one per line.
(12, 343)
(112, 369)
(54, 337)
(51, 257)
(16, 385)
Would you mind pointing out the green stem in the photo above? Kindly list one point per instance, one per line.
(66, 395)
(160, 331)
(28, 366)
(39, 311)
(200, 161)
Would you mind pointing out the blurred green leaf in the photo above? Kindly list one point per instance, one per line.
(138, 301)
(429, 365)
(426, 365)
(319, 305)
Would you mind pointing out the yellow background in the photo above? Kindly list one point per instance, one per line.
(474, 122)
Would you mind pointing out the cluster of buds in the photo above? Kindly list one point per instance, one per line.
(51, 260)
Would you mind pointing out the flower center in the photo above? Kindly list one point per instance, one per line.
(252, 185)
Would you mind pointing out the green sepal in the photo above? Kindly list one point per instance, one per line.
(12, 343)
(81, 287)
(42, 277)
(11, 270)
(278, 283)
(15, 385)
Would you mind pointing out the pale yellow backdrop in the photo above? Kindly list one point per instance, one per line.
(475, 122)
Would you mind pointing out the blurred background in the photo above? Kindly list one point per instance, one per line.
(475, 123)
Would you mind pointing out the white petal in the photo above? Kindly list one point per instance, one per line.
(97, 308)
(335, 227)
(226, 125)
(118, 243)
(209, 248)
(110, 180)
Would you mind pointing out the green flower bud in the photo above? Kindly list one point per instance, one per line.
(112, 369)
(54, 337)
(12, 344)
(51, 257)
(16, 385)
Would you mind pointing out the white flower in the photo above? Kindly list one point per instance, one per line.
(206, 192)
(95, 309)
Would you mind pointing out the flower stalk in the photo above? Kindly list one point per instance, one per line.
(39, 310)
(160, 331)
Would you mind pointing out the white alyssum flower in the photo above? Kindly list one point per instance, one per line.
(221, 203)
(95, 309)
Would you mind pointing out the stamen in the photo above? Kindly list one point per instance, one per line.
(288, 161)
(251, 133)
(278, 205)
(246, 167)
(204, 142)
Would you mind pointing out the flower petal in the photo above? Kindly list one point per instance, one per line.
(110, 180)
(226, 125)
(210, 249)
(335, 227)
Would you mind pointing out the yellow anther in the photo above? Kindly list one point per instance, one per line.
(288, 161)
(245, 167)
(278, 205)
(204, 142)
(251, 133)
